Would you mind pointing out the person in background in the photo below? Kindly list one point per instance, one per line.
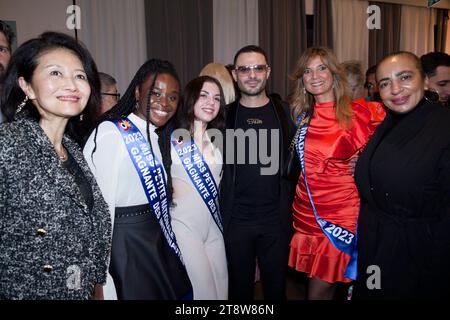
(255, 196)
(371, 85)
(403, 177)
(109, 92)
(6, 39)
(220, 72)
(355, 78)
(230, 68)
(196, 218)
(129, 154)
(333, 131)
(436, 66)
(55, 230)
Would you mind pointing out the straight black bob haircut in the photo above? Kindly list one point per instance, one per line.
(23, 63)
(185, 115)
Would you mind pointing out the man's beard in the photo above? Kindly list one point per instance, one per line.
(252, 93)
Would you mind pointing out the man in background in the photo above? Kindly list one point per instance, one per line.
(436, 66)
(371, 85)
(6, 38)
(109, 92)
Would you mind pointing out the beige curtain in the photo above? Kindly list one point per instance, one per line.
(350, 32)
(114, 32)
(235, 26)
(417, 29)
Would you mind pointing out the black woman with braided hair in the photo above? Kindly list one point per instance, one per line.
(129, 154)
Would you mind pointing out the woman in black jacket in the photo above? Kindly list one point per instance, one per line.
(54, 223)
(404, 180)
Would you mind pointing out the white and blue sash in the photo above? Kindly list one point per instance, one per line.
(151, 174)
(341, 238)
(198, 171)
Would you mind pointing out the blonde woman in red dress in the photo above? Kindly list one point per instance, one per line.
(326, 205)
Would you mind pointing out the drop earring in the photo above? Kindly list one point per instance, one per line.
(21, 105)
(81, 117)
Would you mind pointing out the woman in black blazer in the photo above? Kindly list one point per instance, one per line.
(403, 177)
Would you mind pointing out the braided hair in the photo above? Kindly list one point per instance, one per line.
(127, 103)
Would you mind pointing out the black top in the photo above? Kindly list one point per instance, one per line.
(80, 179)
(228, 183)
(403, 177)
(252, 183)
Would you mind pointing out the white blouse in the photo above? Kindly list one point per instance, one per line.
(115, 172)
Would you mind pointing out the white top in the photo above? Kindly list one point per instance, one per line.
(190, 209)
(115, 172)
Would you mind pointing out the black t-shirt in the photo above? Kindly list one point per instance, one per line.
(256, 192)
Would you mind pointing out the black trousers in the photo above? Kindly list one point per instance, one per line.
(270, 244)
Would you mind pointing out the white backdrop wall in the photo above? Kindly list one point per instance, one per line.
(34, 17)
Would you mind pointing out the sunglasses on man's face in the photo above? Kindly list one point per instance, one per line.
(258, 68)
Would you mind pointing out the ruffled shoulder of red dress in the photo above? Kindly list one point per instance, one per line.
(367, 115)
(372, 109)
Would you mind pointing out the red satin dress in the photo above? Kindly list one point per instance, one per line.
(330, 153)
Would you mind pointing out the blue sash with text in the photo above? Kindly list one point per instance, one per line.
(151, 174)
(198, 171)
(340, 237)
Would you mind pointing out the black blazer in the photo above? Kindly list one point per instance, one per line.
(403, 176)
(227, 185)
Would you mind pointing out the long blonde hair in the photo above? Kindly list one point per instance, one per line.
(301, 100)
(219, 72)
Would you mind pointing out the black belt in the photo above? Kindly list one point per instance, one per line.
(132, 211)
